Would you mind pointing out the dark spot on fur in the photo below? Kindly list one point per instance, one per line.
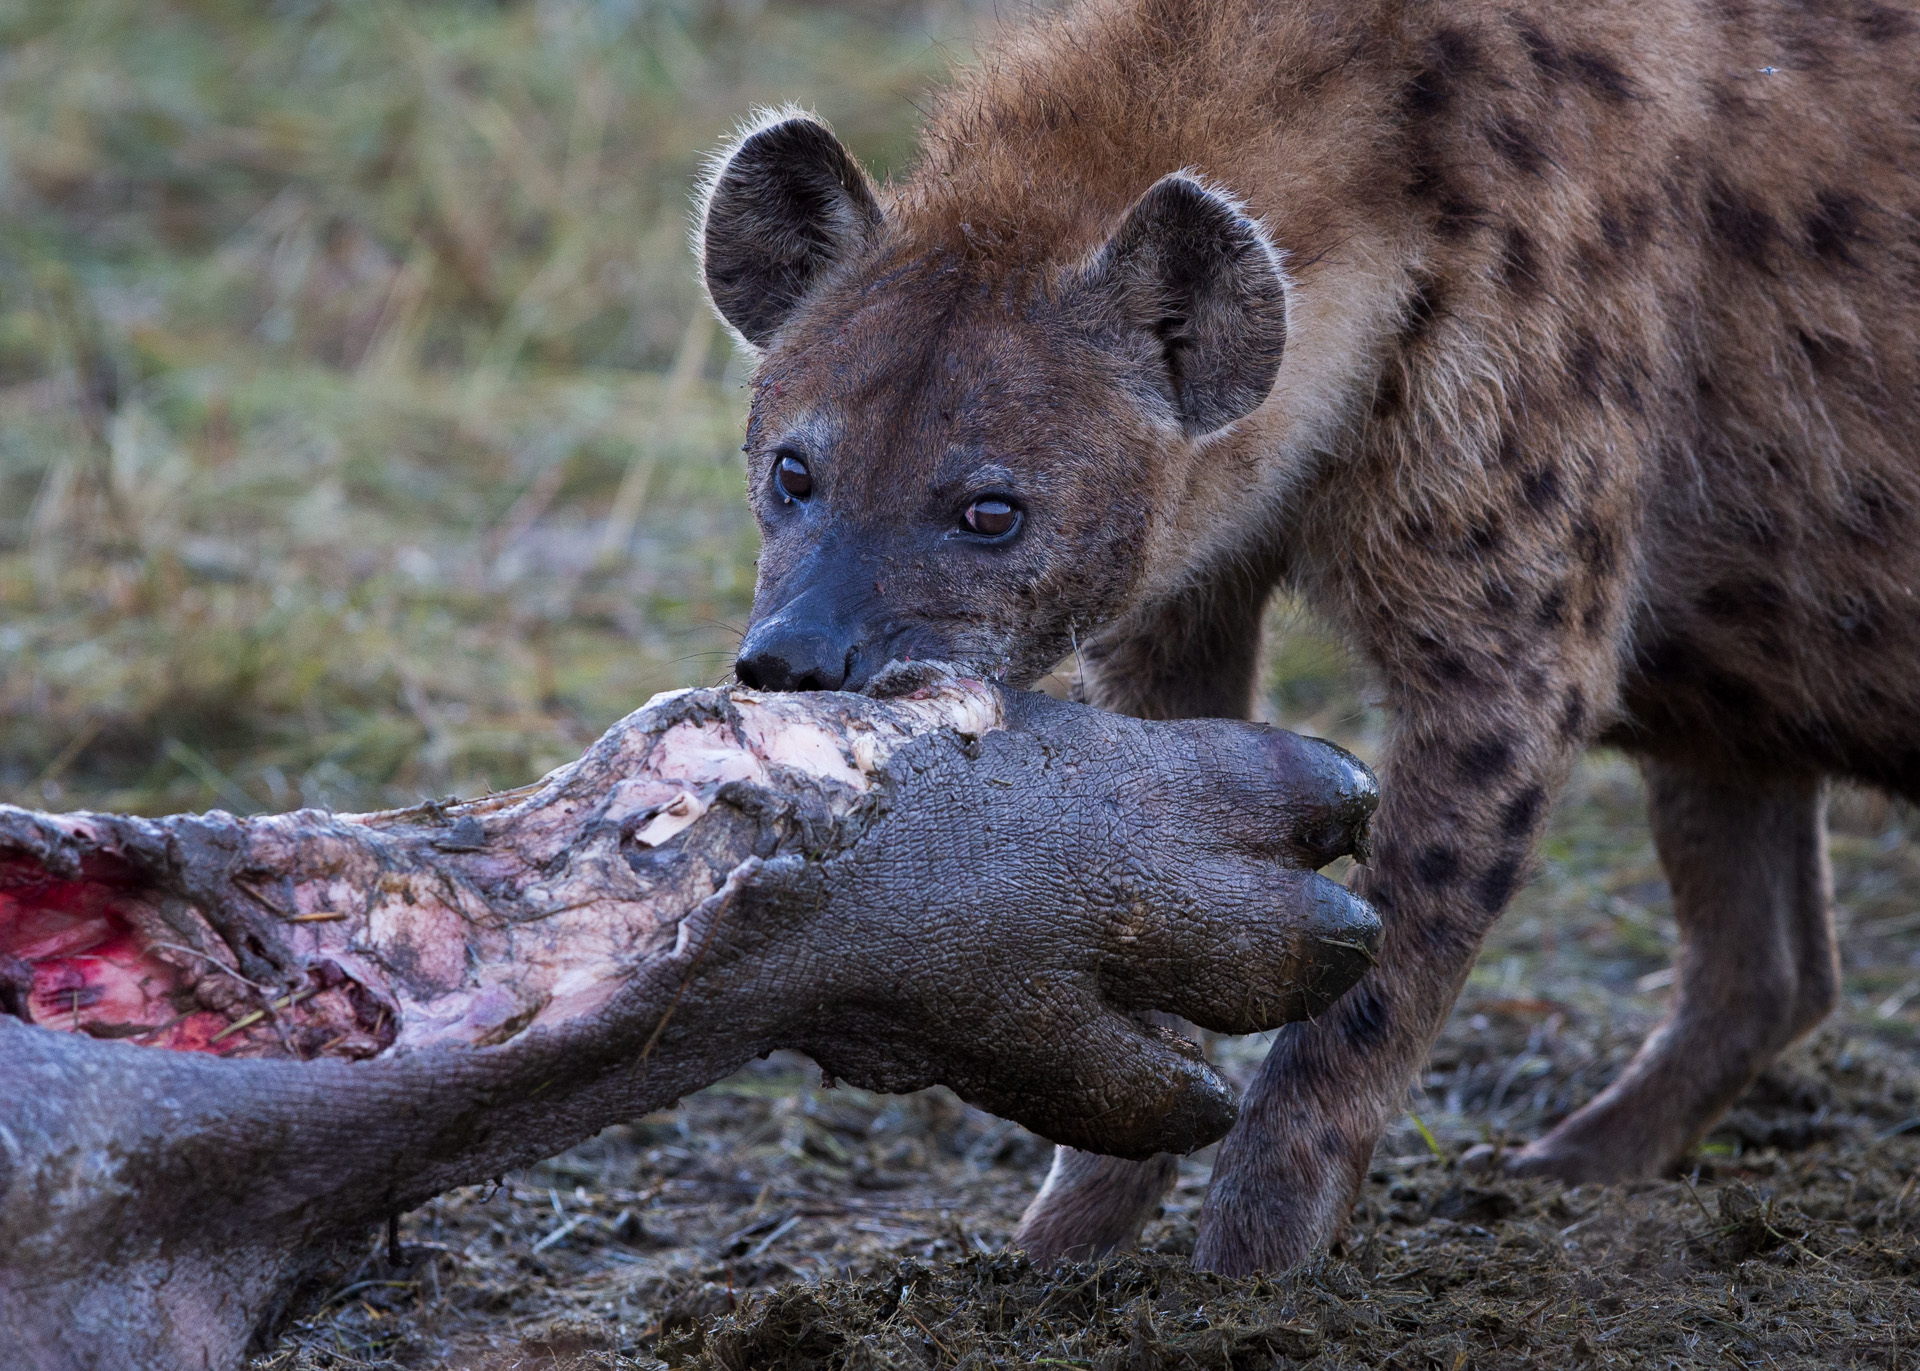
(1728, 102)
(1553, 608)
(1455, 213)
(1746, 229)
(1627, 227)
(1676, 189)
(1593, 622)
(1875, 701)
(1825, 353)
(1614, 231)
(1450, 58)
(1454, 669)
(1454, 53)
(1740, 599)
(1874, 513)
(1495, 887)
(1498, 594)
(1485, 760)
(1583, 367)
(1519, 264)
(1509, 453)
(1545, 53)
(1444, 940)
(1767, 643)
(1423, 306)
(1573, 716)
(1390, 396)
(1417, 530)
(1333, 1142)
(1602, 75)
(1457, 216)
(1627, 382)
(1540, 488)
(1515, 140)
(1882, 24)
(1424, 94)
(1858, 622)
(1807, 47)
(1436, 866)
(1834, 227)
(1641, 216)
(1447, 668)
(1366, 1017)
(1522, 811)
(1451, 55)
(1596, 547)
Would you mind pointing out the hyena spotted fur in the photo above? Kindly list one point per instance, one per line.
(1563, 354)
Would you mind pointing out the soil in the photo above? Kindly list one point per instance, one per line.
(770, 1222)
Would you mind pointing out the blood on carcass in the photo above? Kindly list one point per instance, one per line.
(74, 958)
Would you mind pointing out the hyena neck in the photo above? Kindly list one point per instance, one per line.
(1063, 124)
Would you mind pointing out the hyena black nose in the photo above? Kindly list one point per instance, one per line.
(779, 654)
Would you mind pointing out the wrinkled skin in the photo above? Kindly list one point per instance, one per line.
(955, 884)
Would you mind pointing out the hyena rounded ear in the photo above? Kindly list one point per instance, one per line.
(1189, 272)
(783, 207)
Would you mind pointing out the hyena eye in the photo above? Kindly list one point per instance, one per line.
(791, 477)
(991, 517)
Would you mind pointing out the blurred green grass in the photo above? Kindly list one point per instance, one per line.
(362, 435)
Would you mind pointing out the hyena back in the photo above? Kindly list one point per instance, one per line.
(1563, 355)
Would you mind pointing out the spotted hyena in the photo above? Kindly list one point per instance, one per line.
(1598, 420)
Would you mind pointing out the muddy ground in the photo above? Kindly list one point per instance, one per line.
(770, 1223)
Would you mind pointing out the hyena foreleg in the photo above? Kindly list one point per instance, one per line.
(1464, 795)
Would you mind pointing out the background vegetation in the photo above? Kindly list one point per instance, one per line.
(361, 433)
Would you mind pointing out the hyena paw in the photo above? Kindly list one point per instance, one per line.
(1092, 1205)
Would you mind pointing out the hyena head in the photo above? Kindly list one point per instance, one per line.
(967, 445)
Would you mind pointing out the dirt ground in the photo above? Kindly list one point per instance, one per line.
(770, 1223)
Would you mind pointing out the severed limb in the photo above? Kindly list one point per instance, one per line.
(948, 883)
